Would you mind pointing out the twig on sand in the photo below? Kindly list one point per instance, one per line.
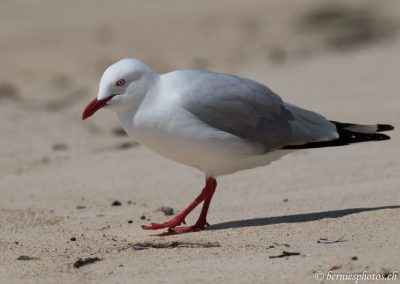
(174, 244)
(285, 254)
(27, 257)
(326, 241)
(81, 262)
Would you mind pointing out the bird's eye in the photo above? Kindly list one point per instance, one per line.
(120, 82)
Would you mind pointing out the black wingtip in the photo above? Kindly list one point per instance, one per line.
(380, 136)
(384, 127)
(347, 136)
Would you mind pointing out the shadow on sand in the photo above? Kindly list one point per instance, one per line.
(298, 218)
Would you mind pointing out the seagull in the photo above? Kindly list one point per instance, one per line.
(217, 123)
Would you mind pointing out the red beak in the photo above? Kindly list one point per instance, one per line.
(94, 106)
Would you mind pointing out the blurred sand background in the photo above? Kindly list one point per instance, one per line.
(59, 176)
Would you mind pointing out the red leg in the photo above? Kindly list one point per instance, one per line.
(205, 196)
(202, 221)
(199, 226)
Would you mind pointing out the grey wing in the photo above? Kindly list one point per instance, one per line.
(253, 112)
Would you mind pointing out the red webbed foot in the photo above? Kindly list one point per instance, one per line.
(173, 224)
(183, 229)
(176, 221)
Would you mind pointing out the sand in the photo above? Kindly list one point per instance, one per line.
(59, 176)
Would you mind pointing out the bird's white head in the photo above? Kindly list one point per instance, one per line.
(122, 86)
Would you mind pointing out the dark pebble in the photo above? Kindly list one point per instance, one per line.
(60, 147)
(116, 203)
(166, 210)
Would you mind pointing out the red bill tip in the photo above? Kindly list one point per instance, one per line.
(94, 106)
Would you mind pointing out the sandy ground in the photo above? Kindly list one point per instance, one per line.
(59, 176)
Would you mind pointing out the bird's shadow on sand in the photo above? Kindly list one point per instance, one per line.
(297, 218)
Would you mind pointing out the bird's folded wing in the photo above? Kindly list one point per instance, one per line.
(253, 112)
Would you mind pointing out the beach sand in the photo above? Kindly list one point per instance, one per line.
(59, 176)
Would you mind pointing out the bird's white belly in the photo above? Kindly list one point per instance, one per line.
(205, 155)
(211, 151)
